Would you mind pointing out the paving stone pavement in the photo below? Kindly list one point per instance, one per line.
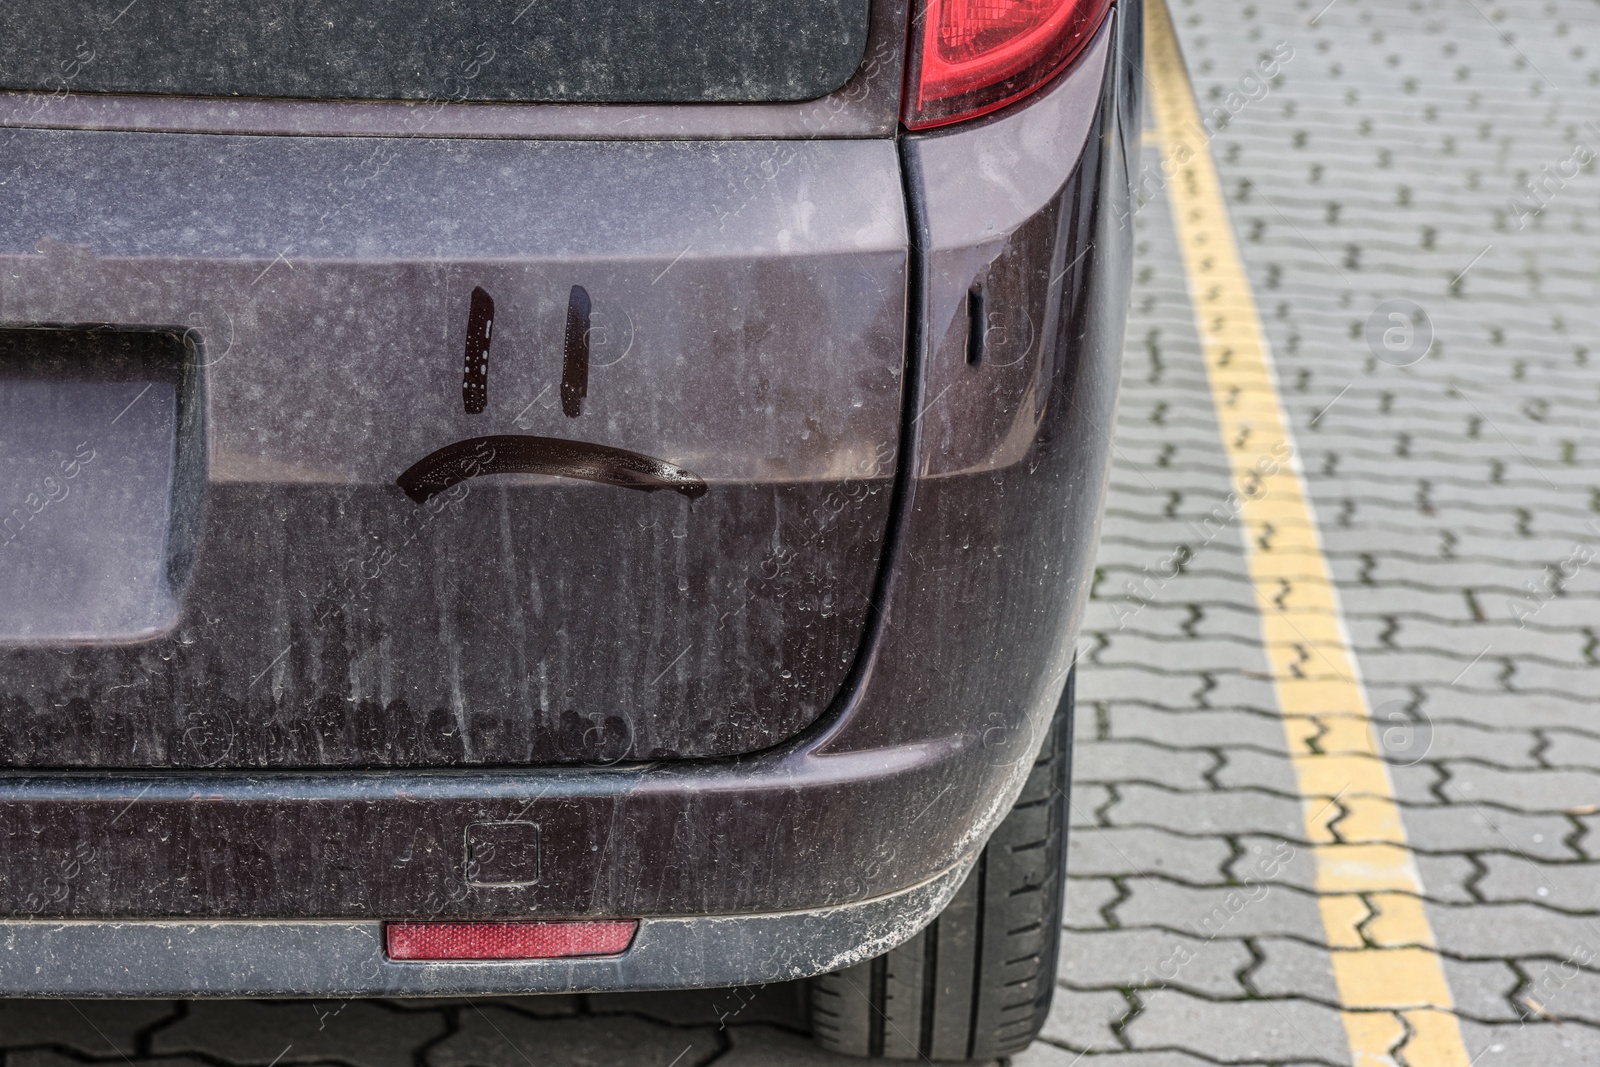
(1459, 502)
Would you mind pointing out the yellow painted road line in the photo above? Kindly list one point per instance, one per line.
(1391, 982)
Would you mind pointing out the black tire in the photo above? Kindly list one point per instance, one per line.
(975, 984)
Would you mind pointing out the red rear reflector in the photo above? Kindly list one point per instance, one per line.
(507, 941)
(970, 57)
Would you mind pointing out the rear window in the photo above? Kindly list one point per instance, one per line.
(436, 50)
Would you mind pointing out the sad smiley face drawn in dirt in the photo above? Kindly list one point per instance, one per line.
(526, 453)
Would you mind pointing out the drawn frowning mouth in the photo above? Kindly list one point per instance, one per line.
(526, 454)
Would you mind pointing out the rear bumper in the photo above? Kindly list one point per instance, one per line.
(167, 958)
(822, 851)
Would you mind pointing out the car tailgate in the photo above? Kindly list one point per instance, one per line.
(318, 317)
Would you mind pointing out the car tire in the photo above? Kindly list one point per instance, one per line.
(977, 982)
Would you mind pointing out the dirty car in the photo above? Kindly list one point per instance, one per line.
(554, 497)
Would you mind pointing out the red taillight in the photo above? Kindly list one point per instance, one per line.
(969, 57)
(507, 940)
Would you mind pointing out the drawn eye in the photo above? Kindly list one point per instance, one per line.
(475, 367)
(447, 467)
(575, 354)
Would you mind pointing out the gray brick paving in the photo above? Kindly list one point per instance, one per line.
(1117, 761)
(1448, 878)
(360, 1033)
(1044, 1054)
(87, 1027)
(1523, 790)
(1239, 1031)
(1568, 886)
(766, 1046)
(1417, 786)
(1252, 768)
(1088, 798)
(1496, 709)
(1142, 851)
(486, 1034)
(1233, 730)
(1452, 738)
(1087, 903)
(1483, 989)
(1289, 968)
(1263, 908)
(1454, 494)
(1543, 1042)
(1137, 650)
(1221, 689)
(1117, 959)
(1559, 988)
(1452, 490)
(1219, 812)
(40, 1057)
(1272, 861)
(1436, 828)
(1510, 931)
(1571, 749)
(1087, 1020)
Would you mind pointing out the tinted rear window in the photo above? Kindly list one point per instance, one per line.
(486, 50)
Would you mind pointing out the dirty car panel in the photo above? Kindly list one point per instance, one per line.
(681, 536)
(660, 524)
(932, 720)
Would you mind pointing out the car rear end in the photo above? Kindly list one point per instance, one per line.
(571, 498)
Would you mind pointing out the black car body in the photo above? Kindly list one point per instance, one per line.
(642, 482)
